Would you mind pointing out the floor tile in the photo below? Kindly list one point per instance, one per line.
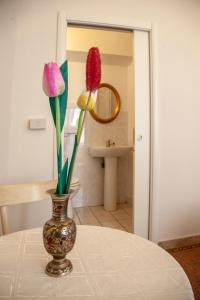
(101, 214)
(86, 217)
(112, 224)
(120, 214)
(96, 215)
(129, 211)
(127, 224)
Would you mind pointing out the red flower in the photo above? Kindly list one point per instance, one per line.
(93, 69)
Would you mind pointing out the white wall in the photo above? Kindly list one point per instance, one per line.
(22, 99)
(28, 33)
(108, 41)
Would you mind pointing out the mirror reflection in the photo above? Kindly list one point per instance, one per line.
(108, 104)
(105, 105)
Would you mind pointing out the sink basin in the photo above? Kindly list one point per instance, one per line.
(115, 151)
(110, 155)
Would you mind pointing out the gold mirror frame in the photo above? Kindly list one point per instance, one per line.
(117, 108)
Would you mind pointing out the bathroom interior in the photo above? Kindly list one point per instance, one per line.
(105, 160)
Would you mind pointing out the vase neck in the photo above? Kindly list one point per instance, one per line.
(60, 206)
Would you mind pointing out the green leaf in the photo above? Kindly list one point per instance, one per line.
(71, 165)
(62, 98)
(61, 186)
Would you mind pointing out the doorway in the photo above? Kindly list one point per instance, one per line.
(116, 48)
(141, 183)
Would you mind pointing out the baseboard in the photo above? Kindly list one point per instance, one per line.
(180, 242)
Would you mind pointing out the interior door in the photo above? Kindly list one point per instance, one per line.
(141, 205)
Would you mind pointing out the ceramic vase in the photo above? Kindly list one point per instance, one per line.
(59, 234)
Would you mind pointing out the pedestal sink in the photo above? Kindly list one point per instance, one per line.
(110, 155)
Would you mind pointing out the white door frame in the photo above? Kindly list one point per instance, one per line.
(154, 110)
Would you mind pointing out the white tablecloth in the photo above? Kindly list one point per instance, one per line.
(108, 264)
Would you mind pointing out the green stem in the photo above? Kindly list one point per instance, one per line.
(58, 131)
(69, 177)
(83, 119)
(80, 120)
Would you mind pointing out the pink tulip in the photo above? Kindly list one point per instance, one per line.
(53, 83)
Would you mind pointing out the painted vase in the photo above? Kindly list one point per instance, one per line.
(59, 234)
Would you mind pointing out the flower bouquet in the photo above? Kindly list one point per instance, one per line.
(59, 233)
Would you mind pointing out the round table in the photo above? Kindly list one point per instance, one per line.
(108, 264)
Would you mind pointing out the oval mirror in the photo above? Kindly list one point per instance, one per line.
(107, 105)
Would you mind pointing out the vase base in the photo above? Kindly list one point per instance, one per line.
(59, 267)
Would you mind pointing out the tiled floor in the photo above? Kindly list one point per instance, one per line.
(189, 259)
(96, 215)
